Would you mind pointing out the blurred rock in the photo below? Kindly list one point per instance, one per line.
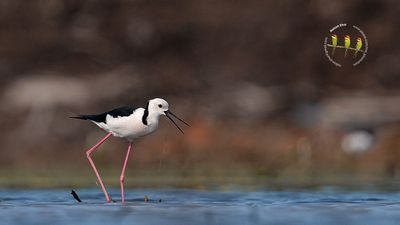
(246, 101)
(44, 92)
(357, 142)
(360, 110)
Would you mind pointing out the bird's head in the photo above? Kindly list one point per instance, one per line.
(158, 106)
(161, 107)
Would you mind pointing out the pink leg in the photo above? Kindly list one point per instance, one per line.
(122, 177)
(94, 167)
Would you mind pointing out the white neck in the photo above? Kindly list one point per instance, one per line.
(153, 118)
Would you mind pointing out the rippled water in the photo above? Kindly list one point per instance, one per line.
(179, 206)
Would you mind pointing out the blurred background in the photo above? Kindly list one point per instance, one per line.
(266, 107)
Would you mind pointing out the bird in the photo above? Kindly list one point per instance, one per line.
(334, 43)
(358, 46)
(346, 44)
(129, 123)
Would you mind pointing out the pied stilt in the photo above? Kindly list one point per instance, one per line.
(129, 123)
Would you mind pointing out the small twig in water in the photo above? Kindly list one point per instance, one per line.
(73, 193)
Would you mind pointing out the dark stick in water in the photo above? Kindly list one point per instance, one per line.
(75, 195)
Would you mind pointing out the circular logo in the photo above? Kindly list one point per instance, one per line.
(346, 45)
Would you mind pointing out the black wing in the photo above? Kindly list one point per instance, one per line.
(101, 118)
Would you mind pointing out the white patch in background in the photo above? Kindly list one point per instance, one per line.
(357, 142)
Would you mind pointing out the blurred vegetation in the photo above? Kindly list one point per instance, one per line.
(251, 77)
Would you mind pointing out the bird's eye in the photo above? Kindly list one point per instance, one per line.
(160, 105)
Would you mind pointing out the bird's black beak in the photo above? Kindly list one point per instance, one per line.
(168, 113)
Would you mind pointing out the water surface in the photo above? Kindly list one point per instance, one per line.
(182, 206)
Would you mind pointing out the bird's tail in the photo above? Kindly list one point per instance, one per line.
(333, 50)
(345, 52)
(355, 54)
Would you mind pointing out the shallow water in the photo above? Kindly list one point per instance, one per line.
(181, 206)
